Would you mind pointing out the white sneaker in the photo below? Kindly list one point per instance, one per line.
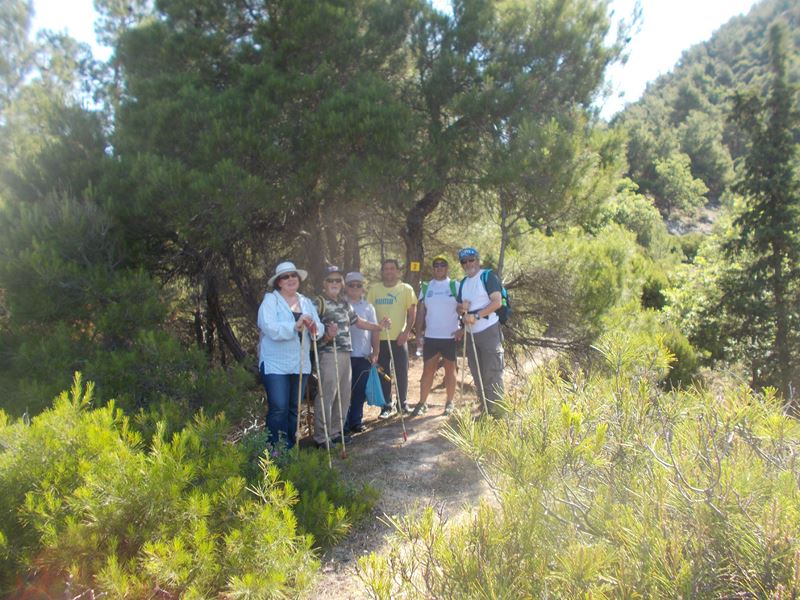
(387, 413)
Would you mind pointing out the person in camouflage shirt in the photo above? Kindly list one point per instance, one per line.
(338, 317)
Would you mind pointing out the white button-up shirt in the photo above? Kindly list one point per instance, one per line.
(279, 343)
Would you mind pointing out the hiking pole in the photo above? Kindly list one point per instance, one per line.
(300, 388)
(322, 401)
(463, 368)
(478, 369)
(339, 396)
(396, 390)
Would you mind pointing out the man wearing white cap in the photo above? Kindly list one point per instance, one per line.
(366, 348)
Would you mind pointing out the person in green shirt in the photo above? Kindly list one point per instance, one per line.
(396, 300)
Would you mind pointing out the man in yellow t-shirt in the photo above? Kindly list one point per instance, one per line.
(394, 299)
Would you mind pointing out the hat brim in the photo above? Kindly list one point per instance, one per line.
(303, 274)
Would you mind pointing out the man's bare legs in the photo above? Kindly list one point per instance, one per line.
(426, 382)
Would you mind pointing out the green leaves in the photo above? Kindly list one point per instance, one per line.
(609, 487)
(124, 518)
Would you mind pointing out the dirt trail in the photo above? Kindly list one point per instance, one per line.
(427, 469)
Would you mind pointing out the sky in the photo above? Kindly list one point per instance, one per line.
(668, 27)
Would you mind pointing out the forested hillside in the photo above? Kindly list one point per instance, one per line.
(146, 201)
(685, 113)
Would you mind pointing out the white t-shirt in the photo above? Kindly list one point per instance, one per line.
(441, 318)
(478, 297)
(362, 338)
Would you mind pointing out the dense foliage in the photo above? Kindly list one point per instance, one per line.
(685, 112)
(605, 486)
(87, 503)
(144, 202)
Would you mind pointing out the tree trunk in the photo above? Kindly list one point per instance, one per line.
(315, 252)
(217, 317)
(352, 248)
(210, 328)
(504, 235)
(414, 231)
(198, 326)
(249, 296)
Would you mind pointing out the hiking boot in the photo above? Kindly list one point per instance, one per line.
(448, 408)
(359, 428)
(387, 413)
(420, 409)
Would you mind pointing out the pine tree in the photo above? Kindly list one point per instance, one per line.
(765, 295)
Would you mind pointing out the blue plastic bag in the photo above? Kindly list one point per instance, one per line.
(374, 389)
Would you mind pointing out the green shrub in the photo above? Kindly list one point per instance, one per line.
(690, 245)
(607, 486)
(653, 290)
(638, 214)
(82, 498)
(683, 370)
(328, 506)
(572, 281)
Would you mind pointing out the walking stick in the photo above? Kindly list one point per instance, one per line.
(396, 391)
(300, 388)
(339, 396)
(322, 402)
(463, 368)
(478, 369)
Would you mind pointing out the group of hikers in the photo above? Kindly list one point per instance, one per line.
(350, 331)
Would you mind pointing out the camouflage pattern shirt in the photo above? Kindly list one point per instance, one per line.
(340, 312)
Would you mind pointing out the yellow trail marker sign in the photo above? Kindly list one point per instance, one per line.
(414, 266)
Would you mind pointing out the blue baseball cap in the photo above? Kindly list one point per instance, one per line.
(468, 252)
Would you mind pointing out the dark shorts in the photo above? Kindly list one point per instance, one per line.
(433, 346)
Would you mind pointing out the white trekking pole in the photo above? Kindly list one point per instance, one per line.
(396, 390)
(300, 387)
(339, 396)
(463, 367)
(478, 369)
(322, 401)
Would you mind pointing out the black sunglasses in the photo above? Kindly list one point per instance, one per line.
(333, 280)
(354, 285)
(286, 276)
(468, 260)
(439, 264)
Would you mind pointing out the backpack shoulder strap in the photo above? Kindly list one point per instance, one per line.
(424, 289)
(453, 288)
(461, 287)
(320, 304)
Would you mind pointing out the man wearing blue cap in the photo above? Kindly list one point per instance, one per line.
(479, 296)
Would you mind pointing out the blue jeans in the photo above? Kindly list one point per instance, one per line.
(282, 407)
(360, 367)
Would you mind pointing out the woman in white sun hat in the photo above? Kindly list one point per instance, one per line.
(284, 319)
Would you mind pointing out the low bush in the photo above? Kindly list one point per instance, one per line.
(328, 506)
(86, 504)
(607, 486)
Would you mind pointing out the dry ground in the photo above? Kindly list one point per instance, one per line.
(425, 470)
